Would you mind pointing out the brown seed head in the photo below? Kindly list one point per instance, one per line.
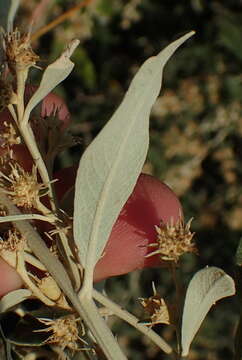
(156, 309)
(19, 53)
(22, 186)
(8, 136)
(14, 241)
(173, 240)
(64, 332)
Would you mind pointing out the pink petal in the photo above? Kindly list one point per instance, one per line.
(9, 279)
(150, 202)
(52, 104)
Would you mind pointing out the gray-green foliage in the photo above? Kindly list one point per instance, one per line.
(206, 287)
(110, 166)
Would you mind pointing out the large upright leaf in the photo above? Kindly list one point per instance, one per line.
(206, 287)
(110, 166)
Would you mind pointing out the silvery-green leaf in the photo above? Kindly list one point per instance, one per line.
(54, 74)
(110, 166)
(13, 298)
(206, 287)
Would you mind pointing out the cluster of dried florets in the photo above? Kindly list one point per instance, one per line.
(173, 240)
(157, 310)
(9, 136)
(65, 332)
(23, 187)
(25, 181)
(19, 54)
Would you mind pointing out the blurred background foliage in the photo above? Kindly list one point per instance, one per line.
(196, 128)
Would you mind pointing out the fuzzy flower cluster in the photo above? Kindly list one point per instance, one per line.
(23, 186)
(18, 51)
(173, 240)
(65, 332)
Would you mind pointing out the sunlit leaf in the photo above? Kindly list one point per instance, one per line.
(110, 166)
(206, 287)
(54, 74)
(13, 298)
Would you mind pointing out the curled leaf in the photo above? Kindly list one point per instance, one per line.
(54, 74)
(13, 298)
(206, 287)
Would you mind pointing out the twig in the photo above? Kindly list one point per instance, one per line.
(132, 320)
(59, 20)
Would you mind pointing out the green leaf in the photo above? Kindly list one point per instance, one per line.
(206, 287)
(54, 74)
(110, 166)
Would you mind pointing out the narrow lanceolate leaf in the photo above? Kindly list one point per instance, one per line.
(54, 74)
(13, 298)
(110, 166)
(206, 287)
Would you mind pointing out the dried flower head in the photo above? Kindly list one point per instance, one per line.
(65, 333)
(12, 243)
(173, 240)
(9, 136)
(3, 210)
(22, 186)
(157, 309)
(19, 53)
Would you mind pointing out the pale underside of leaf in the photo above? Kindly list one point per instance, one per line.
(53, 75)
(110, 166)
(13, 298)
(206, 287)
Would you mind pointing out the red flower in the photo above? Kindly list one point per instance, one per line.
(150, 202)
